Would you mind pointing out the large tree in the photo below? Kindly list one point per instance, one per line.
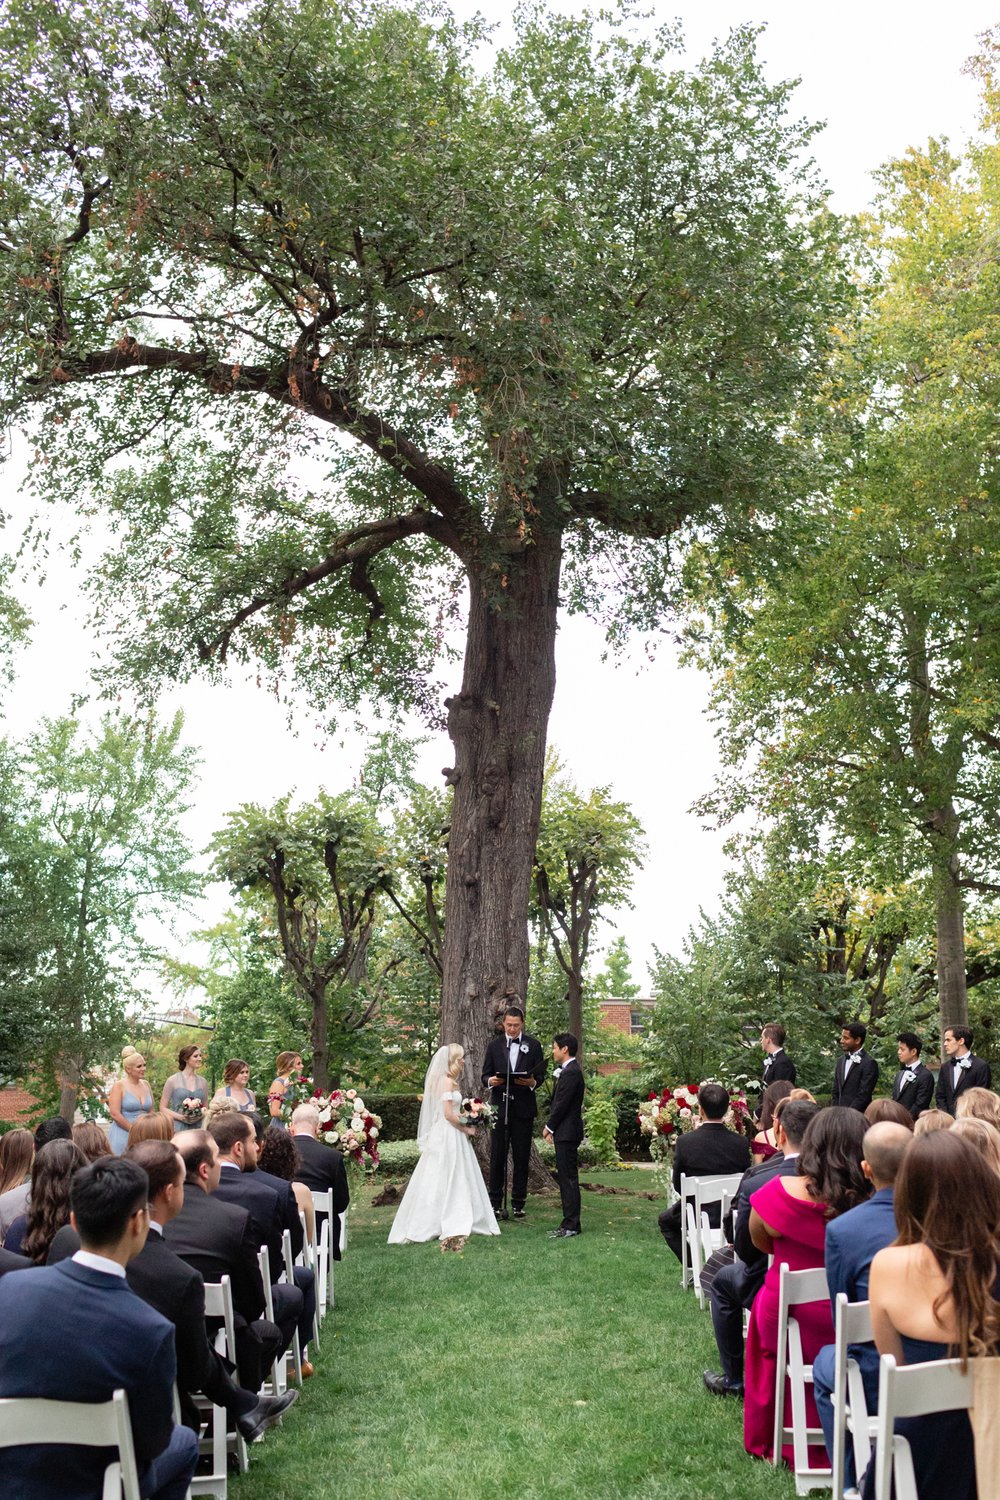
(523, 327)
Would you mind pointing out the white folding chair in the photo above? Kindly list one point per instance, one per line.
(32, 1420)
(853, 1323)
(279, 1374)
(794, 1289)
(343, 1231)
(308, 1257)
(289, 1275)
(323, 1204)
(698, 1238)
(912, 1391)
(219, 1442)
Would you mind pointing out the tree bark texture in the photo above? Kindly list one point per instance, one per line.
(953, 999)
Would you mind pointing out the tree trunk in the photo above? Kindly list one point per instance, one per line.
(69, 1073)
(319, 1040)
(574, 994)
(953, 998)
(498, 724)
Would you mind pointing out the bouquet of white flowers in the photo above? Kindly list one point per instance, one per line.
(476, 1112)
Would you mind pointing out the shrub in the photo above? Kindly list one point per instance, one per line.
(399, 1114)
(601, 1124)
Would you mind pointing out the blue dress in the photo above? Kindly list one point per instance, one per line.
(944, 1458)
(243, 1109)
(179, 1093)
(133, 1109)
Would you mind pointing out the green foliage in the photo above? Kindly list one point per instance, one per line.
(399, 1114)
(600, 1120)
(614, 981)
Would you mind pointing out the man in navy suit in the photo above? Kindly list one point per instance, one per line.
(856, 1073)
(852, 1242)
(913, 1087)
(960, 1069)
(565, 1129)
(75, 1332)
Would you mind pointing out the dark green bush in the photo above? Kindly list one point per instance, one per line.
(399, 1114)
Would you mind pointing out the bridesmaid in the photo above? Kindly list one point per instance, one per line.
(186, 1083)
(130, 1098)
(282, 1090)
(235, 1077)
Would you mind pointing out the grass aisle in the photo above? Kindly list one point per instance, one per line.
(524, 1368)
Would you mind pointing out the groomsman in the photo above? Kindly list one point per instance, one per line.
(856, 1073)
(914, 1084)
(512, 1070)
(565, 1128)
(960, 1070)
(777, 1063)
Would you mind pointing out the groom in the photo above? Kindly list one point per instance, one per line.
(513, 1069)
(565, 1128)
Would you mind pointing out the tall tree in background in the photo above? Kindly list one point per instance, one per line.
(91, 848)
(527, 325)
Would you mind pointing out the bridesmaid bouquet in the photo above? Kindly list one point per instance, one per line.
(192, 1109)
(476, 1112)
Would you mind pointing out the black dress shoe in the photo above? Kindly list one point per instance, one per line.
(519, 1213)
(264, 1415)
(720, 1386)
(565, 1234)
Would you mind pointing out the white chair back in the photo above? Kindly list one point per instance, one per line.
(912, 1391)
(288, 1272)
(219, 1304)
(853, 1325)
(89, 1424)
(698, 1239)
(794, 1289)
(309, 1257)
(323, 1204)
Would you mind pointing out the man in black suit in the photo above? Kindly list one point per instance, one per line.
(777, 1063)
(513, 1069)
(913, 1086)
(565, 1129)
(960, 1069)
(709, 1151)
(321, 1168)
(217, 1239)
(856, 1073)
(734, 1287)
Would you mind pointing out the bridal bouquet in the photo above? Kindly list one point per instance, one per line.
(473, 1111)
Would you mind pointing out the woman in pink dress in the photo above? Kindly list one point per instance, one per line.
(788, 1219)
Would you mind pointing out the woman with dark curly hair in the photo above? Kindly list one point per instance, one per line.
(279, 1156)
(788, 1219)
(48, 1208)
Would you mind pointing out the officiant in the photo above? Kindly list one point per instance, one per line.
(512, 1070)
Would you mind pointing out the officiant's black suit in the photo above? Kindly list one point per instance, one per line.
(566, 1124)
(916, 1094)
(976, 1076)
(520, 1111)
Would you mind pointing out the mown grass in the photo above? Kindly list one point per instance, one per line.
(524, 1368)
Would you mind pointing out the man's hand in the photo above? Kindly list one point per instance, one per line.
(495, 1081)
(525, 1083)
(547, 1134)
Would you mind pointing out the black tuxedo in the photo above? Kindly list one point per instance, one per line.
(566, 1125)
(261, 1203)
(320, 1169)
(777, 1065)
(916, 1094)
(975, 1076)
(514, 1114)
(853, 1087)
(288, 1209)
(709, 1151)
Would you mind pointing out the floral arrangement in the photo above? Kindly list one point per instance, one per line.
(473, 1111)
(192, 1109)
(674, 1111)
(344, 1119)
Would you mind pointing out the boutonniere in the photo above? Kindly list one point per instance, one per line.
(524, 1046)
(555, 1073)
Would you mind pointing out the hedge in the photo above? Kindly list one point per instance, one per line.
(399, 1114)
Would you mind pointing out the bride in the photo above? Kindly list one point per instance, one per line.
(446, 1197)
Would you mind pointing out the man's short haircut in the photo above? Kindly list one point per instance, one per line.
(195, 1147)
(883, 1148)
(961, 1034)
(306, 1114)
(104, 1196)
(568, 1040)
(514, 1010)
(714, 1101)
(775, 1032)
(55, 1128)
(911, 1040)
(161, 1163)
(228, 1129)
(856, 1030)
(794, 1118)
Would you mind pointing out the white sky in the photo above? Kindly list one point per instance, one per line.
(883, 76)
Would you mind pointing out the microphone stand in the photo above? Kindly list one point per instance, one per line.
(506, 1131)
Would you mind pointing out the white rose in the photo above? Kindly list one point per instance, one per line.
(352, 1093)
(357, 1124)
(333, 1137)
(373, 1132)
(359, 1106)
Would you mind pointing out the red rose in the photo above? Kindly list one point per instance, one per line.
(666, 1128)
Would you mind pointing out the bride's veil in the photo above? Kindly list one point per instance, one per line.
(430, 1105)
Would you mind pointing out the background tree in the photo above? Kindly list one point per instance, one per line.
(93, 850)
(614, 981)
(560, 309)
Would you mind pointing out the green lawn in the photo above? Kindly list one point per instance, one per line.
(524, 1367)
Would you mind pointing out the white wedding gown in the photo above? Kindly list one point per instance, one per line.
(446, 1196)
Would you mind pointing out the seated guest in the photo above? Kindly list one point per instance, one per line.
(17, 1152)
(279, 1157)
(320, 1168)
(851, 1242)
(240, 1183)
(788, 1218)
(734, 1287)
(913, 1086)
(980, 1104)
(984, 1136)
(217, 1239)
(177, 1292)
(710, 1150)
(92, 1141)
(53, 1128)
(48, 1207)
(933, 1119)
(75, 1332)
(764, 1143)
(960, 1069)
(888, 1112)
(934, 1293)
(156, 1126)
